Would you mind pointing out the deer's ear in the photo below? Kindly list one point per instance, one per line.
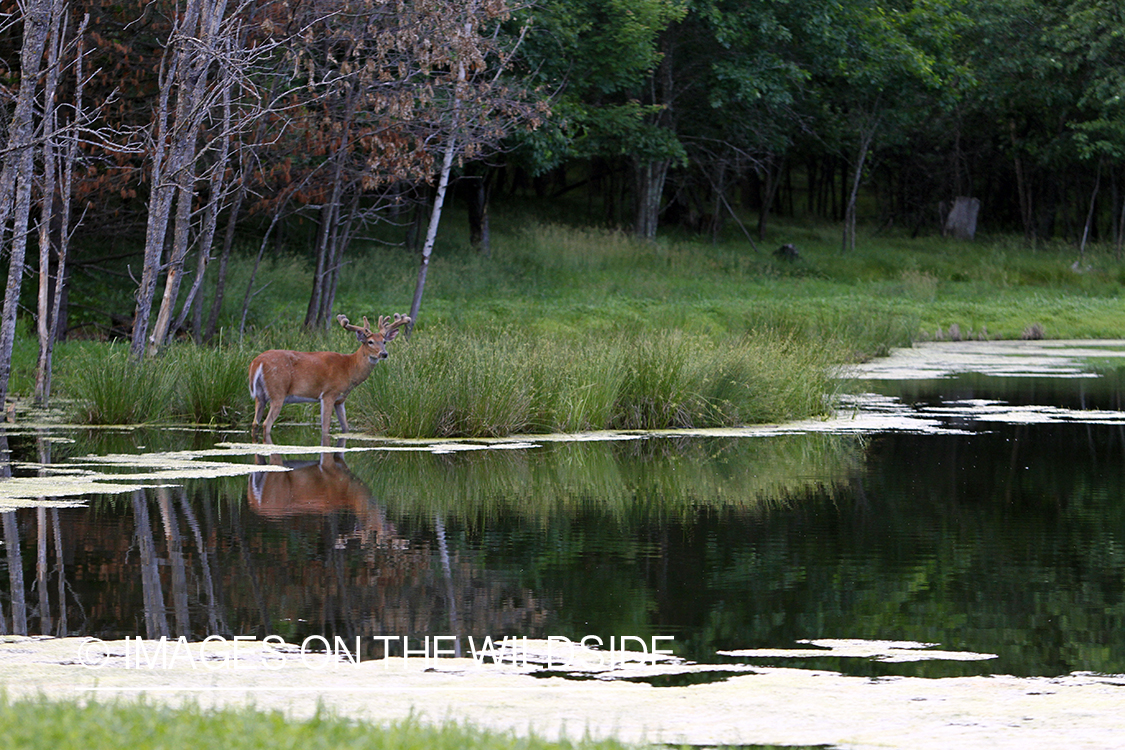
(390, 335)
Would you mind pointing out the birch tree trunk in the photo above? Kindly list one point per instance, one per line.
(867, 135)
(196, 41)
(54, 314)
(218, 193)
(190, 113)
(431, 231)
(648, 182)
(16, 176)
(44, 326)
(224, 258)
(159, 206)
(328, 251)
(435, 213)
(1090, 213)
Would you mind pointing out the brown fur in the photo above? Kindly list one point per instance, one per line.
(279, 376)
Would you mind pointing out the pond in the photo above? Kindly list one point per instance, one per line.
(983, 512)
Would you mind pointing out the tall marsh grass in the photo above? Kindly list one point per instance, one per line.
(496, 382)
(504, 382)
(199, 384)
(210, 384)
(110, 387)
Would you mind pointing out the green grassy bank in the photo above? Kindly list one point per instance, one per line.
(563, 328)
(52, 725)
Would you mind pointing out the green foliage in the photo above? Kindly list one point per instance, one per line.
(566, 329)
(211, 384)
(600, 55)
(40, 723)
(110, 387)
(1091, 35)
(507, 381)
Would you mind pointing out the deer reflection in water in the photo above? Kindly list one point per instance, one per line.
(322, 487)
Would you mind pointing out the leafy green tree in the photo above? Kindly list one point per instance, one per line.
(741, 72)
(879, 59)
(604, 61)
(1093, 34)
(1023, 99)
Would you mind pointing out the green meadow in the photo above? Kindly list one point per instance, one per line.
(561, 328)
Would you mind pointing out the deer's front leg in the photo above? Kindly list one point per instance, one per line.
(325, 418)
(341, 417)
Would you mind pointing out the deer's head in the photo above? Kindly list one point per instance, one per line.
(374, 342)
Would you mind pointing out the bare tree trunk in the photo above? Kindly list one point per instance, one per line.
(435, 213)
(224, 259)
(60, 566)
(648, 179)
(47, 205)
(211, 217)
(16, 176)
(185, 148)
(431, 231)
(245, 158)
(1090, 213)
(55, 314)
(5, 473)
(773, 169)
(159, 207)
(326, 249)
(215, 622)
(480, 236)
(45, 623)
(257, 262)
(156, 620)
(342, 236)
(196, 42)
(1023, 190)
(41, 571)
(175, 560)
(867, 135)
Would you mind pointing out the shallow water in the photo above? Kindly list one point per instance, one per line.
(986, 515)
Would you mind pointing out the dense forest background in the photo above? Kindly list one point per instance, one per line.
(148, 139)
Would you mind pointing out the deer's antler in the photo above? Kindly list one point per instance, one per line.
(390, 327)
(343, 320)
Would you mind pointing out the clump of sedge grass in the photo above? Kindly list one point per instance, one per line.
(498, 382)
(506, 382)
(206, 385)
(210, 384)
(110, 387)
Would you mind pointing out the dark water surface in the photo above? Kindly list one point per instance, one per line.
(988, 536)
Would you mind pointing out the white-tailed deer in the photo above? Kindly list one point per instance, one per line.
(281, 376)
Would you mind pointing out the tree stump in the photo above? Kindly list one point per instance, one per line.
(962, 219)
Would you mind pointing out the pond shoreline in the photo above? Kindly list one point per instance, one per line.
(766, 705)
(731, 702)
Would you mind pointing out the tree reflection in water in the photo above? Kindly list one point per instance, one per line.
(998, 539)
